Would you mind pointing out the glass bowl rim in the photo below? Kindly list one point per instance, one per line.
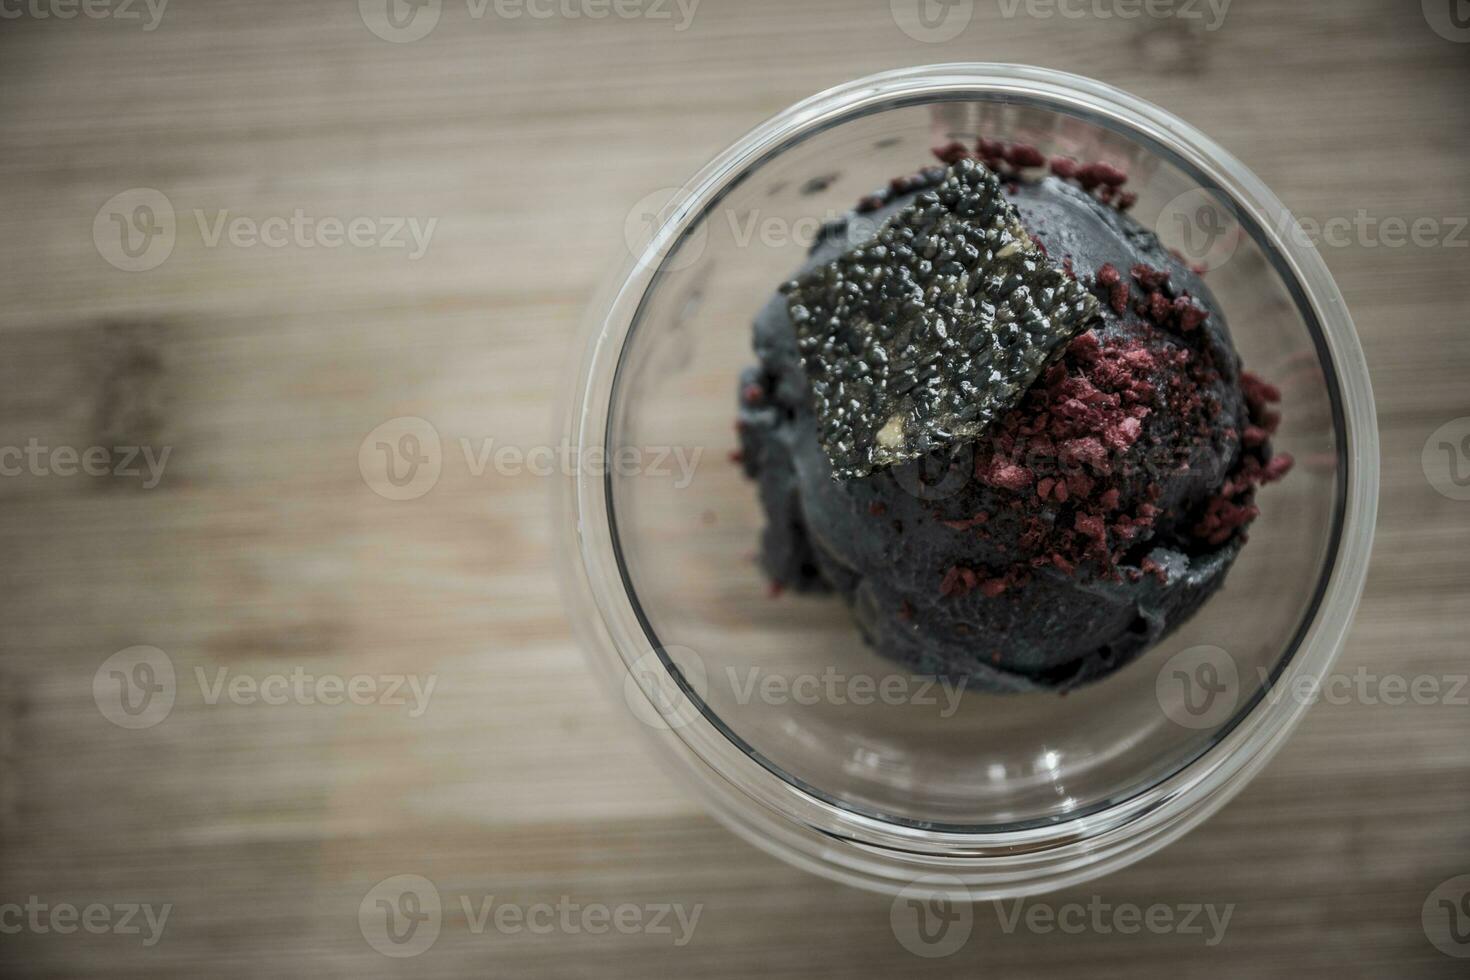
(797, 822)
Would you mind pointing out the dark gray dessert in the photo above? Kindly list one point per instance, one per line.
(1047, 513)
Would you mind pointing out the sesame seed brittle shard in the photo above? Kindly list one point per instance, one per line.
(923, 336)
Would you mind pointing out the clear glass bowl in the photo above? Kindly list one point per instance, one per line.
(793, 731)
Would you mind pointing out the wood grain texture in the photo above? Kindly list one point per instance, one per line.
(263, 551)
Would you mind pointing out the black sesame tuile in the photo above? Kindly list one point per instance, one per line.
(922, 337)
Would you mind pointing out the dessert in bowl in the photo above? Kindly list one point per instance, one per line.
(1019, 474)
(980, 588)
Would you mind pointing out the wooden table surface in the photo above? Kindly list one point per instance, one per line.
(262, 552)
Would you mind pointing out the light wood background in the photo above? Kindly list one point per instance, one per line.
(263, 551)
